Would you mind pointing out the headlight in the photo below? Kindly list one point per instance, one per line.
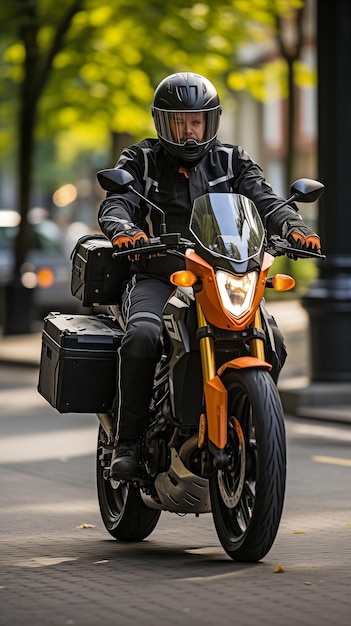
(237, 292)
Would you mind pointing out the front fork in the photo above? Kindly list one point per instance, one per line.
(257, 345)
(214, 422)
(207, 353)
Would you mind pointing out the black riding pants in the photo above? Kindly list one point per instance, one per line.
(142, 306)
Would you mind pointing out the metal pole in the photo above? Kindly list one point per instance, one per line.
(328, 301)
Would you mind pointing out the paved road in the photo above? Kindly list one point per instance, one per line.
(54, 572)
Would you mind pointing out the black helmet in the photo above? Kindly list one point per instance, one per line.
(181, 94)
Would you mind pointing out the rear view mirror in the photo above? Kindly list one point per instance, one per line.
(115, 180)
(306, 190)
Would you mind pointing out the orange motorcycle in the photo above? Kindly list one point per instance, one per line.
(216, 439)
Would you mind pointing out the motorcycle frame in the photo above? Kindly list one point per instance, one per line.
(213, 422)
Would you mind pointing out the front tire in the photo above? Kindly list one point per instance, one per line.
(124, 514)
(247, 496)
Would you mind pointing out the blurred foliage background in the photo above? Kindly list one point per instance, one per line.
(77, 78)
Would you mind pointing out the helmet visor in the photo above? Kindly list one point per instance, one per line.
(180, 127)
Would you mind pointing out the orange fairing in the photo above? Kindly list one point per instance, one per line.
(210, 300)
(216, 399)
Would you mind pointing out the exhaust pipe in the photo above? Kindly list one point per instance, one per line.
(106, 423)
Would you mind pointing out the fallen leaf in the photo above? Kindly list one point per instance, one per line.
(86, 526)
(299, 532)
(279, 569)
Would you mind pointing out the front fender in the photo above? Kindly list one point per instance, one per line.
(216, 399)
(243, 362)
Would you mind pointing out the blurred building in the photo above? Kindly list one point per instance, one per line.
(260, 125)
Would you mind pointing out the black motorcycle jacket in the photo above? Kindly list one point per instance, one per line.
(173, 186)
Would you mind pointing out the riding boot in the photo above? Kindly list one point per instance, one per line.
(125, 460)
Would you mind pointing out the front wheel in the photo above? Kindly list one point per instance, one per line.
(126, 517)
(247, 496)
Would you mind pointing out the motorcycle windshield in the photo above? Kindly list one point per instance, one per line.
(227, 225)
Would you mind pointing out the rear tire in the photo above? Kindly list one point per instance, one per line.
(124, 514)
(247, 496)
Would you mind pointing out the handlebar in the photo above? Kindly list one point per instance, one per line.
(278, 247)
(175, 244)
(171, 242)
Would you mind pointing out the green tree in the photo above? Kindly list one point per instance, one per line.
(93, 66)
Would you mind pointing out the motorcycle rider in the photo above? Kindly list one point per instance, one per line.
(185, 161)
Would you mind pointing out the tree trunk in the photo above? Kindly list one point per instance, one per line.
(18, 314)
(18, 309)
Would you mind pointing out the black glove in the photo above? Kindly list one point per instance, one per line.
(300, 236)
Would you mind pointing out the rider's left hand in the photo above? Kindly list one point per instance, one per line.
(301, 236)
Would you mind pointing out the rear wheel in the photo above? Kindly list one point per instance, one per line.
(126, 517)
(247, 496)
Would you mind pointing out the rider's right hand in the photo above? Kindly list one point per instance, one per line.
(130, 239)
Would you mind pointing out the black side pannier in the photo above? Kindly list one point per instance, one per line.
(97, 278)
(78, 362)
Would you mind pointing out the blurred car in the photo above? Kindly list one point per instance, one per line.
(47, 267)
